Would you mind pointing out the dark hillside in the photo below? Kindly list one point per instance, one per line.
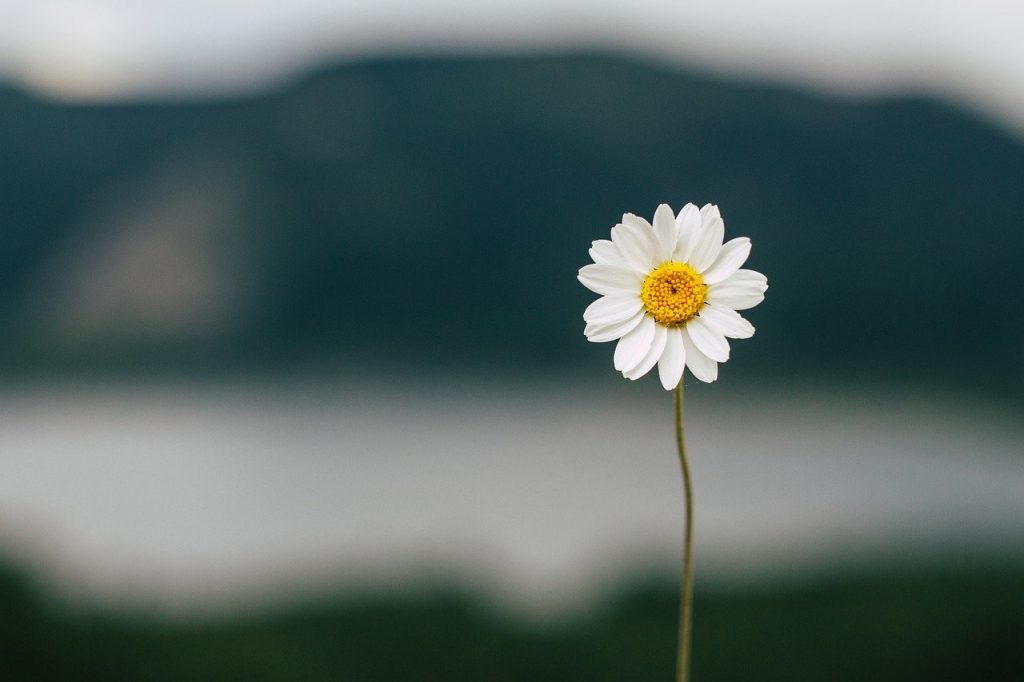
(439, 208)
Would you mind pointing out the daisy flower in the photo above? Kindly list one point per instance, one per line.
(670, 292)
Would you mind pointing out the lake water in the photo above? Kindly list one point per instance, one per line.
(205, 498)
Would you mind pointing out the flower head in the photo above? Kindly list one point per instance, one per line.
(670, 292)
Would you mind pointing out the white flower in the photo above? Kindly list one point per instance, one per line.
(670, 292)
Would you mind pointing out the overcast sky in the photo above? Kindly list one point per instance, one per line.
(969, 51)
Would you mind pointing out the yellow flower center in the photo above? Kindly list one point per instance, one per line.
(673, 293)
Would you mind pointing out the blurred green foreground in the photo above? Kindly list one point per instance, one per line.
(906, 625)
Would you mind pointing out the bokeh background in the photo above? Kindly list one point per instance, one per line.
(292, 376)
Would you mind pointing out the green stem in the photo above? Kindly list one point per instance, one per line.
(686, 586)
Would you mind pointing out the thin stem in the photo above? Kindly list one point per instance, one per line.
(686, 586)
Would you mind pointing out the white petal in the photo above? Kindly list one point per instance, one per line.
(736, 300)
(601, 333)
(747, 277)
(652, 356)
(727, 321)
(673, 360)
(665, 233)
(634, 346)
(609, 280)
(628, 250)
(709, 239)
(637, 222)
(634, 238)
(742, 290)
(700, 365)
(612, 309)
(709, 212)
(603, 252)
(709, 340)
(734, 253)
(688, 226)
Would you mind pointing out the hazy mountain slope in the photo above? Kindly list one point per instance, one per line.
(440, 208)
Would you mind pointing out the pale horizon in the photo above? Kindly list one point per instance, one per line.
(98, 50)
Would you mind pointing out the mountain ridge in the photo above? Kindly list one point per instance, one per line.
(439, 208)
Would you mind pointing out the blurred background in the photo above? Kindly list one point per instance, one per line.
(293, 383)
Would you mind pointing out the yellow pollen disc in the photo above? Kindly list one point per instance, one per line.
(673, 293)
